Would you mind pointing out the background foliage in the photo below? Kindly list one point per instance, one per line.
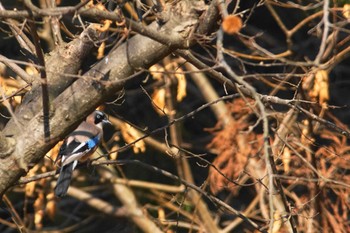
(236, 121)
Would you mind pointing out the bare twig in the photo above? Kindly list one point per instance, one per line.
(263, 116)
(21, 37)
(44, 84)
(128, 199)
(17, 69)
(15, 216)
(183, 166)
(326, 25)
(209, 94)
(192, 186)
(96, 203)
(190, 114)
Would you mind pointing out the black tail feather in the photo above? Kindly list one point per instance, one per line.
(64, 180)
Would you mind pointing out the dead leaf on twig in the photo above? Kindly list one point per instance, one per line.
(234, 147)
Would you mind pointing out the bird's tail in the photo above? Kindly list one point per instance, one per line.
(64, 180)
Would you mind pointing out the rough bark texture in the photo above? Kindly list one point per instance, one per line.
(80, 98)
(61, 63)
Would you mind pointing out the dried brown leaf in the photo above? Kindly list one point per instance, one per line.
(320, 89)
(50, 208)
(157, 72)
(158, 99)
(101, 50)
(346, 11)
(181, 86)
(232, 24)
(39, 213)
(234, 146)
(286, 159)
(130, 135)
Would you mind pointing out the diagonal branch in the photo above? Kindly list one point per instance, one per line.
(103, 80)
(43, 76)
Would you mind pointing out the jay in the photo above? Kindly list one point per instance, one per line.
(78, 146)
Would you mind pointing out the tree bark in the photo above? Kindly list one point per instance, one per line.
(104, 79)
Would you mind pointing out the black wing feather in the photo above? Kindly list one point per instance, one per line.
(72, 146)
(64, 180)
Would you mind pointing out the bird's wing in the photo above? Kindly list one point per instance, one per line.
(76, 150)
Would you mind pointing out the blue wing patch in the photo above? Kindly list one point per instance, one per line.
(93, 142)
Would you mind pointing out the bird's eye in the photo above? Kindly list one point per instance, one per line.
(99, 117)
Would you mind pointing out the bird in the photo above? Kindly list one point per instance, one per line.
(78, 146)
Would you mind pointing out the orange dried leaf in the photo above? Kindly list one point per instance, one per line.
(277, 224)
(320, 89)
(181, 85)
(157, 72)
(161, 214)
(232, 24)
(286, 158)
(346, 11)
(53, 153)
(305, 133)
(51, 205)
(181, 79)
(233, 148)
(8, 88)
(39, 210)
(322, 79)
(106, 25)
(31, 70)
(130, 135)
(30, 187)
(90, 4)
(114, 154)
(158, 99)
(101, 50)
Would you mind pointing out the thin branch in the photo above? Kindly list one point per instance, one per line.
(308, 164)
(188, 115)
(192, 186)
(21, 37)
(76, 193)
(291, 218)
(263, 116)
(150, 185)
(17, 69)
(127, 197)
(209, 94)
(57, 11)
(96, 203)
(44, 83)
(183, 166)
(10, 109)
(292, 103)
(326, 26)
(15, 216)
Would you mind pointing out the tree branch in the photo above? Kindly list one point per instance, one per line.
(103, 80)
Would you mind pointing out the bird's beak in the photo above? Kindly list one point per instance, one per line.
(106, 122)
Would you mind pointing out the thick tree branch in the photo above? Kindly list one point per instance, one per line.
(103, 80)
(60, 66)
(7, 145)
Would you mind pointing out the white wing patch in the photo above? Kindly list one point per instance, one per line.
(75, 163)
(78, 147)
(73, 157)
